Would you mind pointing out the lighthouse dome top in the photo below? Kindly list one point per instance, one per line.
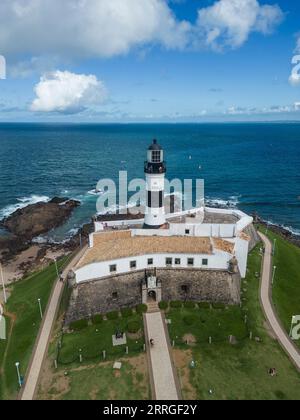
(155, 146)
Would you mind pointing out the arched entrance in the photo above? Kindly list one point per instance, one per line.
(152, 297)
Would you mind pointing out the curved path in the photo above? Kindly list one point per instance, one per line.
(41, 346)
(266, 300)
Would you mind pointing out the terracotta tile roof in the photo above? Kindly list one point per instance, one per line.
(244, 236)
(116, 245)
(223, 245)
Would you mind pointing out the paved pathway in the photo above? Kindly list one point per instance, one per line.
(266, 299)
(163, 373)
(41, 346)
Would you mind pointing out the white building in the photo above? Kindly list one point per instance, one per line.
(201, 239)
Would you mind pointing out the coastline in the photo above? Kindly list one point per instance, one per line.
(28, 256)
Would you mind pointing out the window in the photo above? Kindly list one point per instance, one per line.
(132, 265)
(169, 261)
(156, 156)
(177, 261)
(115, 296)
(205, 261)
(187, 231)
(150, 261)
(184, 289)
(113, 268)
(191, 262)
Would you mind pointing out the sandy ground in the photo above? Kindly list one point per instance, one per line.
(27, 260)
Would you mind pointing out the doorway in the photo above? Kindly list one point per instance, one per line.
(152, 297)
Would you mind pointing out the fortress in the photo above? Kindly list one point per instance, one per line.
(197, 255)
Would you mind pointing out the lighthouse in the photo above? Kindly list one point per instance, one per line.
(155, 170)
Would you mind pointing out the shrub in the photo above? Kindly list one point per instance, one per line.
(189, 305)
(176, 304)
(126, 313)
(204, 305)
(133, 327)
(189, 320)
(79, 325)
(112, 316)
(141, 309)
(97, 319)
(163, 305)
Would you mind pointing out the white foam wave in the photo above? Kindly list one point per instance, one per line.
(22, 203)
(232, 202)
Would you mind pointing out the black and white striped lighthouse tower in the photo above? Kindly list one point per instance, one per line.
(155, 170)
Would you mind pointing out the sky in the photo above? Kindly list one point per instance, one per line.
(149, 60)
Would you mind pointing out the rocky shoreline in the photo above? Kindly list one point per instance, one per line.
(279, 230)
(20, 253)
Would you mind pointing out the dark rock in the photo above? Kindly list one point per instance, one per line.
(279, 230)
(38, 219)
(58, 200)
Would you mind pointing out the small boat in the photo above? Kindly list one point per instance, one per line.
(95, 192)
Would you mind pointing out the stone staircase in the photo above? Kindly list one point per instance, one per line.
(153, 307)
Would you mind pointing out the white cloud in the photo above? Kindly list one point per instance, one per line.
(275, 109)
(101, 28)
(106, 28)
(228, 23)
(67, 92)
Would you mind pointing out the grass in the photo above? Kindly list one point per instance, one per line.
(205, 323)
(286, 290)
(22, 313)
(235, 372)
(100, 381)
(95, 339)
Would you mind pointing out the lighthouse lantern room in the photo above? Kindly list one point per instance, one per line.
(155, 170)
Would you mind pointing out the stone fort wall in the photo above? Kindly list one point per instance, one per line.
(123, 291)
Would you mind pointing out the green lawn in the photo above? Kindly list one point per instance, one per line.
(240, 371)
(286, 290)
(94, 339)
(105, 384)
(100, 381)
(205, 323)
(22, 313)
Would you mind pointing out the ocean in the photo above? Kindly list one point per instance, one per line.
(254, 167)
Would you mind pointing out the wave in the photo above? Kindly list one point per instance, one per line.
(22, 203)
(232, 202)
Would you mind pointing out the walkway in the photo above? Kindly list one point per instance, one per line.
(164, 379)
(266, 300)
(41, 346)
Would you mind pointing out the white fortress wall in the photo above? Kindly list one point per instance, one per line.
(199, 230)
(244, 223)
(99, 226)
(98, 270)
(241, 253)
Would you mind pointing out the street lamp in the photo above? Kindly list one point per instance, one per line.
(18, 373)
(274, 272)
(56, 267)
(3, 284)
(267, 228)
(40, 306)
